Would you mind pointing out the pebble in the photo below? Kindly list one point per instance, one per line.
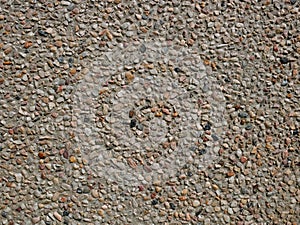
(284, 60)
(57, 216)
(36, 220)
(94, 193)
(196, 203)
(72, 159)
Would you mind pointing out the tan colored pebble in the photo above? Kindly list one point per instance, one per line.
(109, 35)
(215, 187)
(55, 196)
(269, 146)
(184, 191)
(269, 139)
(188, 217)
(95, 193)
(154, 109)
(36, 219)
(176, 214)
(165, 111)
(196, 203)
(129, 76)
(158, 189)
(72, 159)
(58, 43)
(131, 163)
(57, 216)
(72, 71)
(158, 114)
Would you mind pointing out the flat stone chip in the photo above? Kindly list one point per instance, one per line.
(168, 115)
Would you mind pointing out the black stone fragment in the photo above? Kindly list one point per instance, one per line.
(207, 127)
(71, 61)
(154, 202)
(198, 213)
(243, 115)
(132, 123)
(79, 191)
(227, 80)
(4, 214)
(284, 60)
(177, 70)
(215, 137)
(42, 33)
(295, 132)
(202, 151)
(172, 206)
(248, 126)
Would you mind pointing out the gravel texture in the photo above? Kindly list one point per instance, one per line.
(149, 112)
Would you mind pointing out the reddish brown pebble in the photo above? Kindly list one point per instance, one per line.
(182, 198)
(72, 71)
(42, 155)
(66, 154)
(230, 173)
(43, 175)
(153, 195)
(28, 44)
(243, 159)
(7, 63)
(141, 188)
(63, 199)
(59, 89)
(11, 131)
(131, 113)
